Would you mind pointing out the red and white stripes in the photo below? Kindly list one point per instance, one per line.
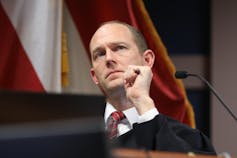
(31, 38)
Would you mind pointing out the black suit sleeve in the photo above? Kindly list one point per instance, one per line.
(165, 134)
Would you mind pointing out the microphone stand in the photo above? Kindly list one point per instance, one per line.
(184, 74)
(216, 94)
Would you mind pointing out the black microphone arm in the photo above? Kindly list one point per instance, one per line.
(185, 74)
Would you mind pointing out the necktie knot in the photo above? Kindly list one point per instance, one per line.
(117, 116)
(113, 122)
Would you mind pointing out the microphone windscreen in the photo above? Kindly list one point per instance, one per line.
(181, 74)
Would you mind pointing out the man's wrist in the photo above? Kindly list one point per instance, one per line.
(149, 115)
(144, 104)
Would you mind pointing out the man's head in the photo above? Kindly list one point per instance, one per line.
(113, 47)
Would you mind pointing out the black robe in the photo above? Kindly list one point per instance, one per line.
(165, 134)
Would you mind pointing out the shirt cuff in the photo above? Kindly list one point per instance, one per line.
(147, 116)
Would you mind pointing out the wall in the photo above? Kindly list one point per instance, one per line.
(223, 73)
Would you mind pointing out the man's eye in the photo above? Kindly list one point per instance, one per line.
(99, 54)
(120, 47)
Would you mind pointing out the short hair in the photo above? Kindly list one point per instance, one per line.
(138, 37)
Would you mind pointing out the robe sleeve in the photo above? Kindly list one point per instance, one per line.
(165, 134)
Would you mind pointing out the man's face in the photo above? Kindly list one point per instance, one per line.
(112, 49)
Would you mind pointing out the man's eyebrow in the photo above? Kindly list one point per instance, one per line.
(117, 43)
(97, 49)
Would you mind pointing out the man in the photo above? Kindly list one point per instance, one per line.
(121, 67)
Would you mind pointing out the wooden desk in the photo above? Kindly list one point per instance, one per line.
(130, 153)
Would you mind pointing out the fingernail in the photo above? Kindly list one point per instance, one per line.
(137, 71)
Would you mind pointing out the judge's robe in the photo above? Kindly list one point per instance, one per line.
(165, 134)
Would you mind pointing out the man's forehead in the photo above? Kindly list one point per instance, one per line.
(110, 30)
(112, 26)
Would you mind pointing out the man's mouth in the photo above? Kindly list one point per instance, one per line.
(113, 72)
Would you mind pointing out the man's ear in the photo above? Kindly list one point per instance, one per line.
(149, 58)
(93, 76)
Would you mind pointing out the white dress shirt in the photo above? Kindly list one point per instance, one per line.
(132, 117)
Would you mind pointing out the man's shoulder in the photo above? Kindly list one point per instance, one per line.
(165, 125)
(172, 122)
(162, 124)
(165, 122)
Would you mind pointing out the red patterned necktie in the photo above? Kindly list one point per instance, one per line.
(112, 123)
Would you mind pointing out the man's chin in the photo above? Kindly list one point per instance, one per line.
(115, 84)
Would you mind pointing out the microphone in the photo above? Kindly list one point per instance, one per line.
(185, 74)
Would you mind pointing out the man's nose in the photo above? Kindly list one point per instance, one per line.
(110, 55)
(110, 58)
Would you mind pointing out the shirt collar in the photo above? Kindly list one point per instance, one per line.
(131, 113)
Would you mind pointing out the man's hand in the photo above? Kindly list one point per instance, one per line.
(137, 82)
